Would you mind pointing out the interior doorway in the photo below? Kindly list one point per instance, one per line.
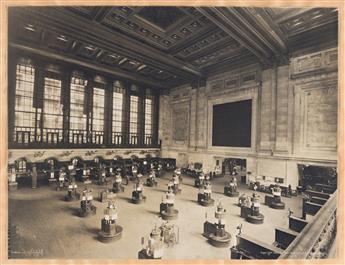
(312, 175)
(235, 167)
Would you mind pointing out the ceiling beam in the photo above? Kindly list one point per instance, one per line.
(289, 14)
(311, 40)
(254, 35)
(209, 49)
(265, 29)
(226, 23)
(89, 32)
(270, 27)
(72, 59)
(235, 62)
(251, 29)
(228, 57)
(182, 45)
(101, 13)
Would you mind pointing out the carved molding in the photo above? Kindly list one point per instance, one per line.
(165, 38)
(66, 153)
(111, 152)
(234, 81)
(314, 62)
(90, 153)
(39, 153)
(217, 84)
(320, 118)
(316, 118)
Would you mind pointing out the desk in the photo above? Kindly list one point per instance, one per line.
(267, 185)
(252, 248)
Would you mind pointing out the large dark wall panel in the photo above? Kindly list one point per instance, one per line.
(232, 124)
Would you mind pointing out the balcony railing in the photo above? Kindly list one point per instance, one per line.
(148, 139)
(317, 237)
(133, 139)
(52, 136)
(117, 138)
(25, 137)
(97, 137)
(77, 136)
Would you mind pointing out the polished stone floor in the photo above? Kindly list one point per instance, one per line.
(43, 225)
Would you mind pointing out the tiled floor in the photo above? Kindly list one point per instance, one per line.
(48, 227)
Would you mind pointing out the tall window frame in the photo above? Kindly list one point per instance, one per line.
(52, 120)
(117, 113)
(148, 120)
(133, 119)
(44, 116)
(78, 116)
(98, 115)
(25, 114)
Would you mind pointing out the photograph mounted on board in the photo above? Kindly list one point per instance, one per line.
(172, 132)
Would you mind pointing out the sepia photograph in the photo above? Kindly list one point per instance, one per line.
(172, 132)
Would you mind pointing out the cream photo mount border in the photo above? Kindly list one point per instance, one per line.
(258, 3)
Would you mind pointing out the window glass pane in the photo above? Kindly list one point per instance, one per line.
(133, 120)
(24, 112)
(52, 107)
(117, 119)
(52, 111)
(98, 110)
(77, 114)
(148, 120)
(148, 116)
(133, 115)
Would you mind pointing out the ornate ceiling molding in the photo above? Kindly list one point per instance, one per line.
(174, 46)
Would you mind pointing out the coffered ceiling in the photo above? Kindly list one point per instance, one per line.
(167, 46)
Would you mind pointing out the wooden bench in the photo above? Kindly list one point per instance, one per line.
(318, 200)
(251, 248)
(284, 237)
(325, 188)
(296, 224)
(311, 207)
(319, 194)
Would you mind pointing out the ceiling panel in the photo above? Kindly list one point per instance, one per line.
(295, 21)
(169, 44)
(163, 27)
